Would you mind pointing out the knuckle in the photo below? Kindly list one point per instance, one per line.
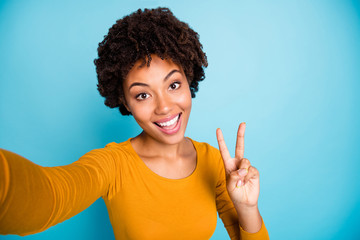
(233, 175)
(254, 170)
(245, 161)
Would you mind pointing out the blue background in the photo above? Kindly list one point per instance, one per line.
(289, 69)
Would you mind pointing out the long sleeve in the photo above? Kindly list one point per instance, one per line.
(34, 198)
(225, 207)
(227, 211)
(262, 234)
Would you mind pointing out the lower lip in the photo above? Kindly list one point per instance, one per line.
(174, 129)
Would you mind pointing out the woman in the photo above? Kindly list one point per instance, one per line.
(159, 184)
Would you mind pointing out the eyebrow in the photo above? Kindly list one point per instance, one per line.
(146, 85)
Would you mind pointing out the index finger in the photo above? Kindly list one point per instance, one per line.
(240, 145)
(222, 146)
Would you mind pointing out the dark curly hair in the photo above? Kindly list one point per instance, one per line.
(137, 36)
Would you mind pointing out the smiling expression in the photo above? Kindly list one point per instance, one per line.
(159, 98)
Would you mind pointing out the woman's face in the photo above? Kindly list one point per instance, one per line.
(159, 98)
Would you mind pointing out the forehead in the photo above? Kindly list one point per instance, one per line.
(158, 69)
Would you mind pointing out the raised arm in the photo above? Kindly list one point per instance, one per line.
(34, 198)
(243, 187)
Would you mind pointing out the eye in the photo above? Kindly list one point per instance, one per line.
(174, 85)
(142, 96)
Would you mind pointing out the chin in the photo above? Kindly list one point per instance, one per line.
(165, 138)
(176, 139)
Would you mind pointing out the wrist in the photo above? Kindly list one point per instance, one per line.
(249, 218)
(246, 209)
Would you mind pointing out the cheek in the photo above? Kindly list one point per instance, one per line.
(141, 112)
(185, 99)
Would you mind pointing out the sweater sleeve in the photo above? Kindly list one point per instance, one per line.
(224, 205)
(34, 198)
(227, 212)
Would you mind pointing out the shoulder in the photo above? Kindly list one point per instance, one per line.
(210, 160)
(113, 147)
(206, 150)
(109, 164)
(122, 146)
(112, 152)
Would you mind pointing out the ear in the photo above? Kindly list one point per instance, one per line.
(123, 101)
(126, 106)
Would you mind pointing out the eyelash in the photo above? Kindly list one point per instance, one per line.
(141, 97)
(178, 83)
(138, 97)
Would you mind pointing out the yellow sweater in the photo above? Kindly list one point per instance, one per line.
(141, 204)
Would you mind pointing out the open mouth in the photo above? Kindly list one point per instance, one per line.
(168, 123)
(171, 126)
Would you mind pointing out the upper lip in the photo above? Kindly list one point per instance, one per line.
(167, 118)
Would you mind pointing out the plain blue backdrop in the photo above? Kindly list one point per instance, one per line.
(289, 69)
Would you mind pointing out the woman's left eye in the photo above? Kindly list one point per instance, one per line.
(174, 85)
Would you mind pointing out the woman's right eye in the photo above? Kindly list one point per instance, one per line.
(142, 96)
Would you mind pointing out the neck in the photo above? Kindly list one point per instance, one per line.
(147, 146)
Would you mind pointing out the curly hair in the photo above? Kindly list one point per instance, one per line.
(135, 37)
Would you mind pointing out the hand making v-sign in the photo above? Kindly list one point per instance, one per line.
(242, 181)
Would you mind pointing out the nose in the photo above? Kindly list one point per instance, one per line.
(163, 105)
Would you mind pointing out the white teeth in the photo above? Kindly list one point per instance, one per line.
(169, 123)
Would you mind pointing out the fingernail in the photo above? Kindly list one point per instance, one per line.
(238, 185)
(242, 172)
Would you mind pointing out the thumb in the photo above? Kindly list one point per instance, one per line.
(236, 178)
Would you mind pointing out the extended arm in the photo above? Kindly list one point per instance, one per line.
(34, 198)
